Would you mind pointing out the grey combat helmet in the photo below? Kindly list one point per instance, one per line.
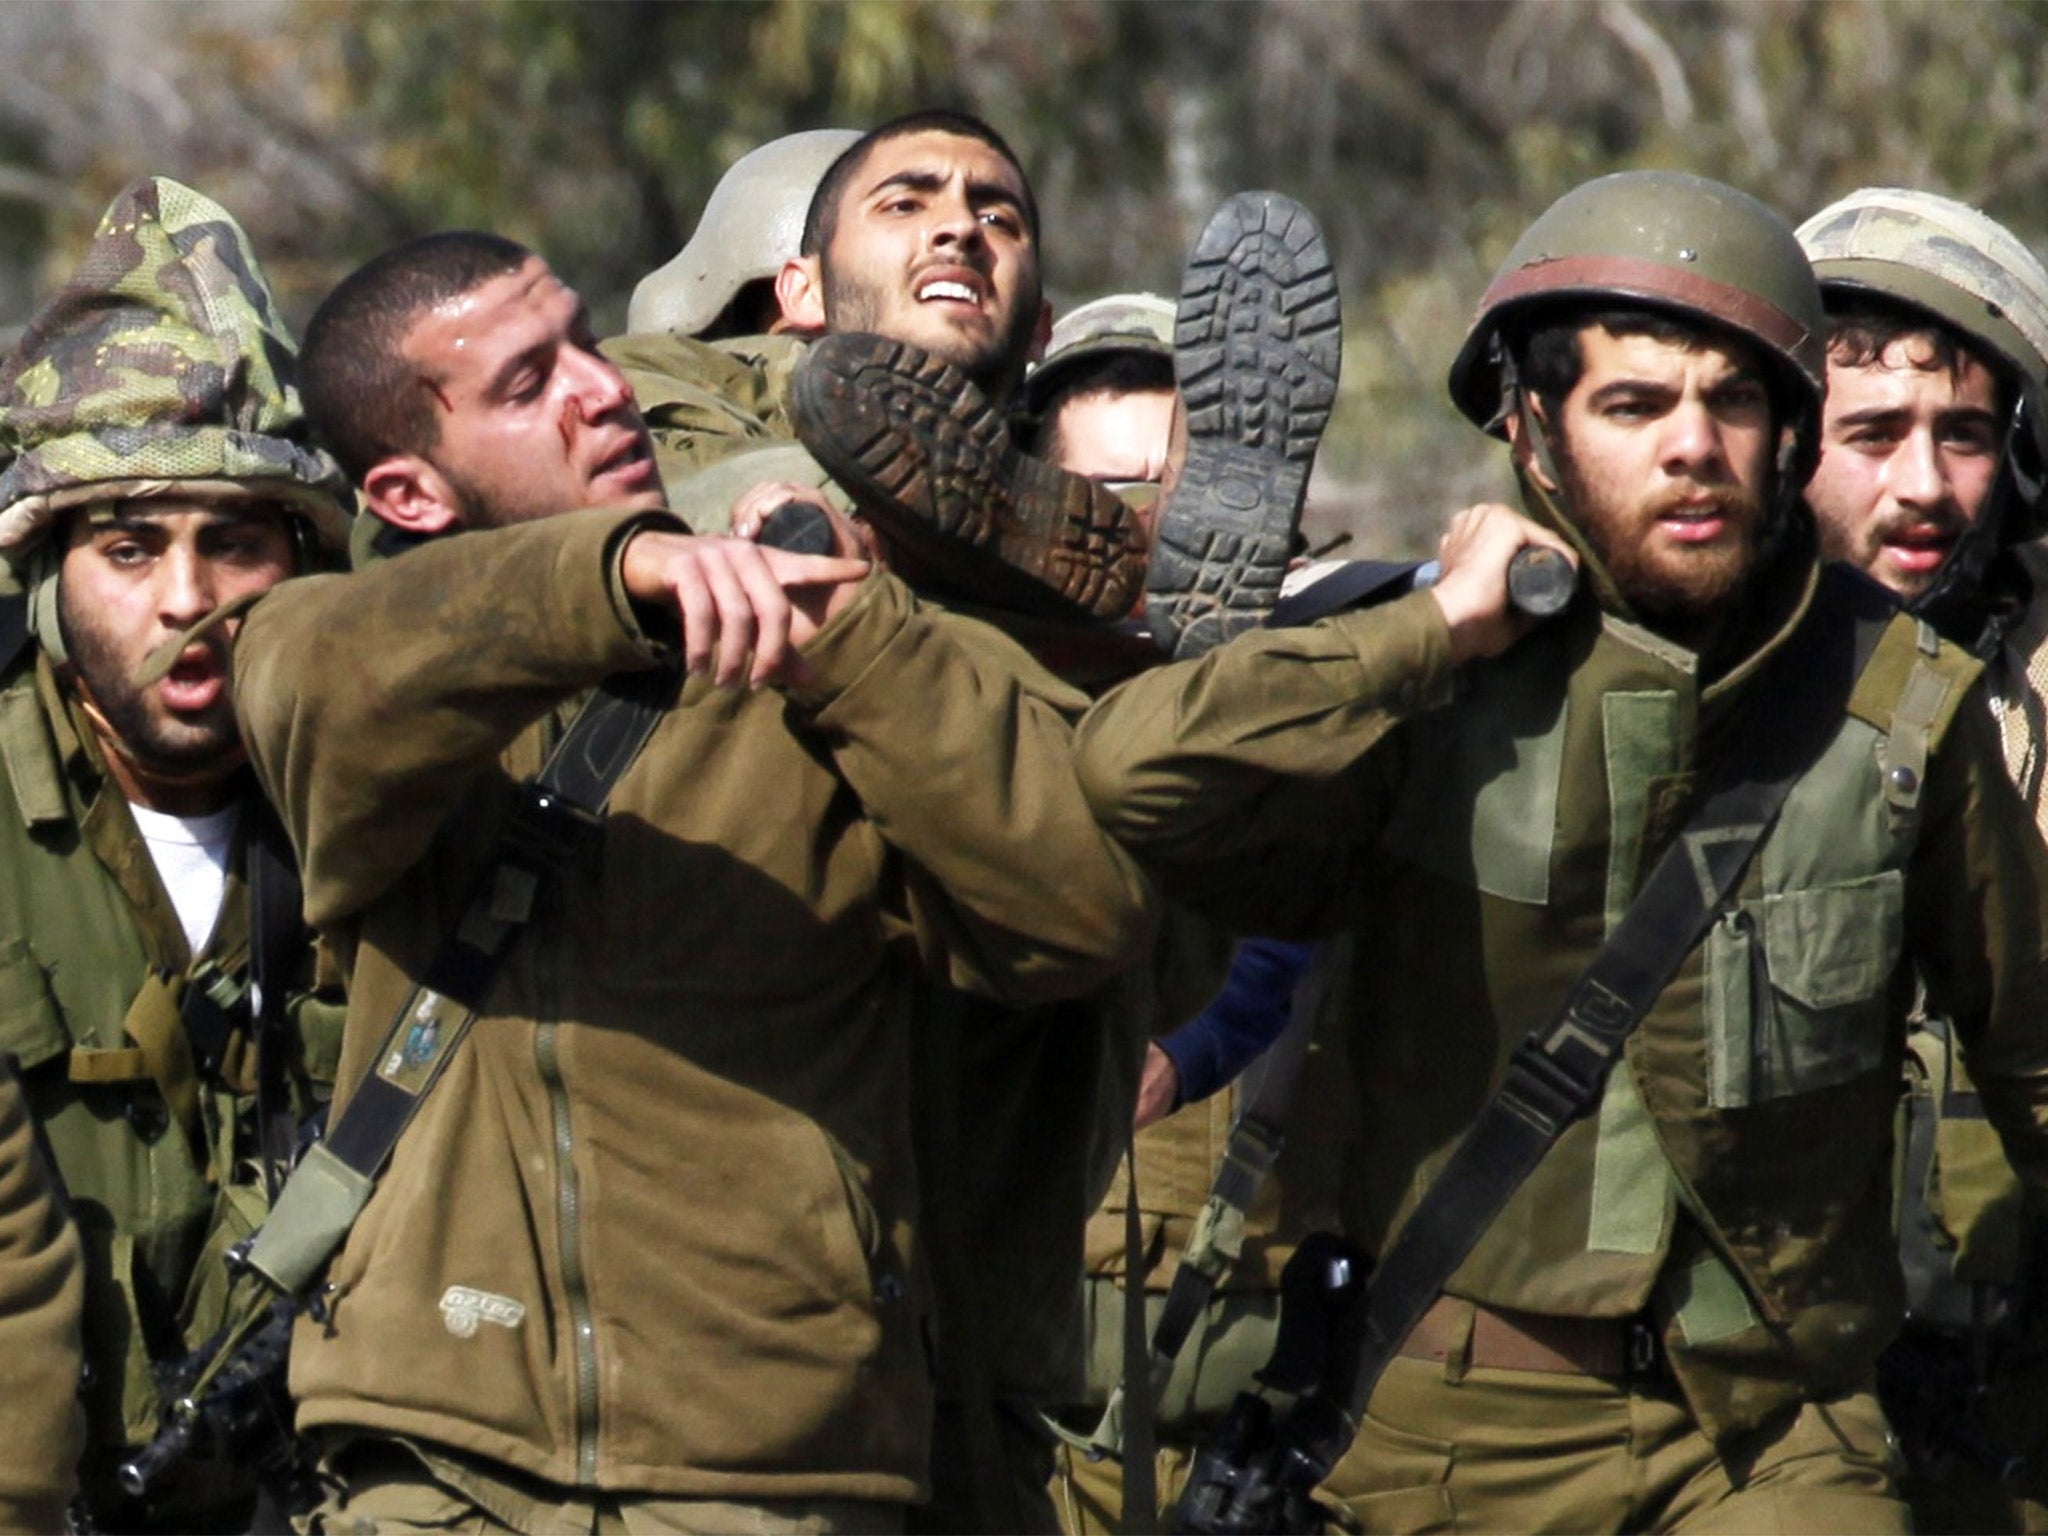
(752, 223)
(1670, 241)
(1934, 255)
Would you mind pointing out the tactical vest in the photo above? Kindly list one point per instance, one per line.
(1527, 812)
(107, 1009)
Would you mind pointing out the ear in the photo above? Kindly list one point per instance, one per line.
(1520, 442)
(800, 293)
(408, 492)
(1041, 333)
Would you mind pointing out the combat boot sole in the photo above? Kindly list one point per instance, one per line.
(1257, 345)
(931, 464)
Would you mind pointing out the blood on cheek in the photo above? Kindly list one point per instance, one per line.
(565, 423)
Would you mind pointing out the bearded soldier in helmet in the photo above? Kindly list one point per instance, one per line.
(1632, 1262)
(1932, 443)
(162, 475)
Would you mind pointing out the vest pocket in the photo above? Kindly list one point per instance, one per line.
(30, 1025)
(1795, 985)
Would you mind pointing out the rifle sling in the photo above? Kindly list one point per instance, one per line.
(1558, 1073)
(559, 814)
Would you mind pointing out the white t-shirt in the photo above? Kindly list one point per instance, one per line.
(191, 855)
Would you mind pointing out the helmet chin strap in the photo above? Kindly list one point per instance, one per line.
(1966, 602)
(134, 769)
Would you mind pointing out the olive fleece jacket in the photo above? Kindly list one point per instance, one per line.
(1478, 833)
(42, 1298)
(656, 1230)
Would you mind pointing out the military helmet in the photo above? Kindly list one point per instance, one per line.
(1944, 257)
(1668, 241)
(752, 223)
(1121, 322)
(162, 368)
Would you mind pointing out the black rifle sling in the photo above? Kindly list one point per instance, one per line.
(1559, 1072)
(558, 815)
(278, 936)
(559, 811)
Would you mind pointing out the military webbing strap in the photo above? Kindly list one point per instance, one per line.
(1558, 1073)
(1256, 1140)
(1128, 1425)
(277, 943)
(559, 814)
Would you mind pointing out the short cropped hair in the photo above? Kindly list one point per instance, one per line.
(1861, 326)
(821, 220)
(353, 374)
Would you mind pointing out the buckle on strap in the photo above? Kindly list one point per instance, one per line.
(1643, 1349)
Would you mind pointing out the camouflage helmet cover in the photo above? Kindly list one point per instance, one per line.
(161, 368)
(1944, 257)
(752, 223)
(1120, 322)
(1665, 240)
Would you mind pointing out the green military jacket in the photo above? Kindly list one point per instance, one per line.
(1020, 1126)
(658, 1229)
(1478, 834)
(85, 924)
(42, 1285)
(704, 403)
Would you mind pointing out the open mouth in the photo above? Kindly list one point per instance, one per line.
(1920, 549)
(196, 680)
(955, 285)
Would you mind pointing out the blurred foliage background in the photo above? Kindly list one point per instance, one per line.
(1424, 133)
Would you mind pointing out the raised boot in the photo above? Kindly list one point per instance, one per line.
(1257, 344)
(931, 465)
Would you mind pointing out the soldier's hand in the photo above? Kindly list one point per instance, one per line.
(743, 610)
(1472, 589)
(754, 506)
(1158, 1088)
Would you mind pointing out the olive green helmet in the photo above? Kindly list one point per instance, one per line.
(1120, 323)
(1934, 254)
(1669, 241)
(752, 223)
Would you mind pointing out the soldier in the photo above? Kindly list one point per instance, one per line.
(651, 1251)
(1932, 442)
(161, 473)
(42, 1288)
(1651, 1297)
(1102, 403)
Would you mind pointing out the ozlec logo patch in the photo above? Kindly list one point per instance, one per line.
(463, 1308)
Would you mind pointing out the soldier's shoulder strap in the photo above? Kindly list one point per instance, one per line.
(559, 812)
(15, 633)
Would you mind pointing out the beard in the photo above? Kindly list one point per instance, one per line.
(1678, 589)
(852, 303)
(169, 746)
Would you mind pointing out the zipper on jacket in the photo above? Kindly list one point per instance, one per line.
(568, 1226)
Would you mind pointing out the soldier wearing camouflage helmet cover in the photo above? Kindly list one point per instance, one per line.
(1929, 481)
(1672, 1321)
(161, 478)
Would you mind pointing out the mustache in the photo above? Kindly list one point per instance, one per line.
(1716, 500)
(1945, 521)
